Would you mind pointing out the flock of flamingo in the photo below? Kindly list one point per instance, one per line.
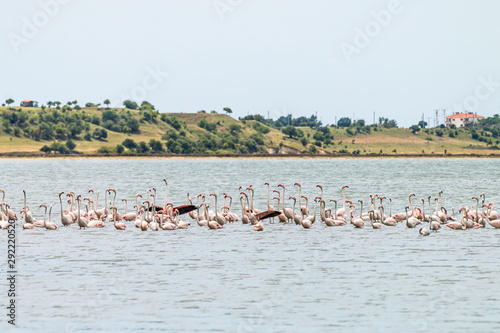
(147, 215)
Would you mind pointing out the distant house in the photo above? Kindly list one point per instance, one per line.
(462, 119)
(28, 103)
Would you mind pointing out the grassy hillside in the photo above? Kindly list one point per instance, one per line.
(27, 130)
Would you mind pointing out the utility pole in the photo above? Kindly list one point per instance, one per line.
(429, 121)
(444, 116)
(436, 121)
(373, 117)
(423, 121)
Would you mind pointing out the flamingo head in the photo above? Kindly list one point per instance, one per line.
(166, 183)
(412, 195)
(320, 186)
(281, 185)
(296, 184)
(345, 186)
(266, 183)
(475, 198)
(91, 190)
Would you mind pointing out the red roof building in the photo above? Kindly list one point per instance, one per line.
(462, 119)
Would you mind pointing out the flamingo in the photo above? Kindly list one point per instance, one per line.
(330, 222)
(434, 220)
(11, 215)
(82, 222)
(244, 217)
(269, 206)
(47, 225)
(375, 225)
(458, 225)
(4, 222)
(104, 211)
(144, 225)
(66, 220)
(251, 192)
(118, 226)
(304, 210)
(258, 227)
(311, 218)
(342, 212)
(296, 218)
(492, 215)
(28, 217)
(218, 217)
(356, 222)
(411, 222)
(130, 216)
(423, 231)
(388, 221)
(180, 224)
(201, 223)
(287, 211)
(282, 218)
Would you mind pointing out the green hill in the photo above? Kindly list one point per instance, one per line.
(24, 131)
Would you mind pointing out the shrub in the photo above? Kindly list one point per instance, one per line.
(120, 149)
(70, 144)
(103, 150)
(129, 143)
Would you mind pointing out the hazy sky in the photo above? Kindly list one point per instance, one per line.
(337, 58)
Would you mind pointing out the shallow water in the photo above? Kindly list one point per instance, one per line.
(234, 279)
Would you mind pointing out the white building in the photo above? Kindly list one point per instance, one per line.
(462, 119)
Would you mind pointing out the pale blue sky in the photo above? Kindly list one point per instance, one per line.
(282, 56)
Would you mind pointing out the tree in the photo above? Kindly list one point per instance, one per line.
(142, 148)
(107, 103)
(422, 124)
(156, 145)
(120, 149)
(344, 122)
(70, 144)
(50, 103)
(289, 130)
(233, 128)
(9, 101)
(130, 104)
(46, 149)
(228, 111)
(129, 143)
(415, 129)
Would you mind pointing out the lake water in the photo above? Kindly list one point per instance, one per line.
(285, 279)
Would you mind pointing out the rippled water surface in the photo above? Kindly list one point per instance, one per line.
(285, 279)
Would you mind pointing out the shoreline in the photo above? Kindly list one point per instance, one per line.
(18, 155)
